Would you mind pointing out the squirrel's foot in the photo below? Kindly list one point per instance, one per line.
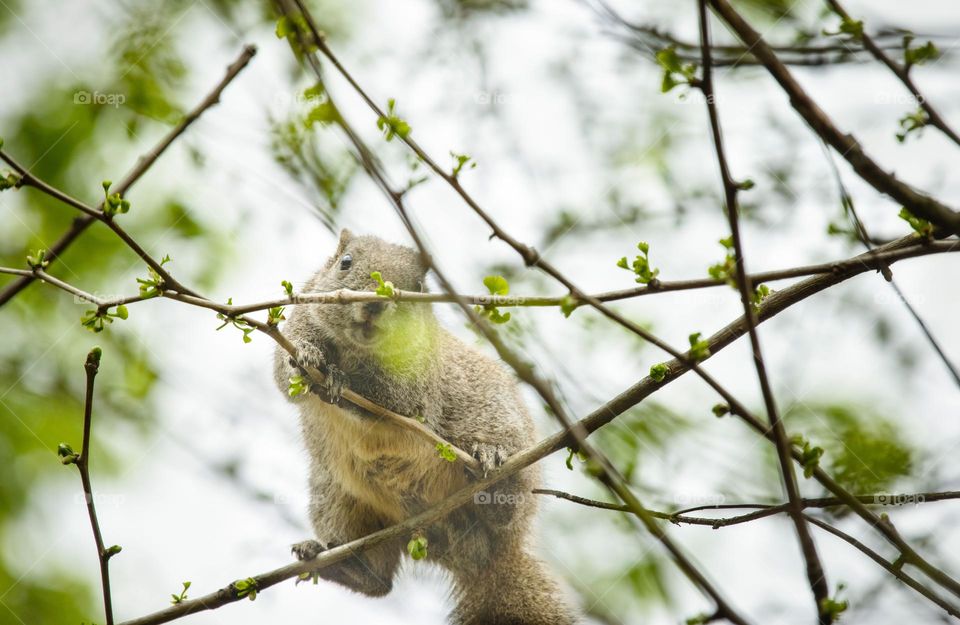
(311, 358)
(489, 455)
(336, 381)
(309, 549)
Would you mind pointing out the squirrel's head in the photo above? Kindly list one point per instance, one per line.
(383, 325)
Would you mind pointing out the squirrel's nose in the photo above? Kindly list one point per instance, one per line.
(374, 308)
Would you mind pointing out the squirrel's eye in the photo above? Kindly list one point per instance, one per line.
(345, 262)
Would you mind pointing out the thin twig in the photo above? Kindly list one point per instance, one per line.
(921, 247)
(816, 576)
(92, 366)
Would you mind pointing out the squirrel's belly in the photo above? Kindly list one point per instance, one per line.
(393, 471)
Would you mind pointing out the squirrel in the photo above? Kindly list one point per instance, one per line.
(366, 474)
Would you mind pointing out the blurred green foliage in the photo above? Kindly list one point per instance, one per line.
(73, 144)
(864, 451)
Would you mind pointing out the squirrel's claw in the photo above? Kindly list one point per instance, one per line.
(489, 455)
(336, 382)
(307, 550)
(311, 358)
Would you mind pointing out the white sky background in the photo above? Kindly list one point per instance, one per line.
(216, 401)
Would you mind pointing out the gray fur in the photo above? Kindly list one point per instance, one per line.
(366, 475)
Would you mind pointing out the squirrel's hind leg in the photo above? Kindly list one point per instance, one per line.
(338, 518)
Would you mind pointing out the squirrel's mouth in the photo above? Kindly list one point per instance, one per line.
(364, 332)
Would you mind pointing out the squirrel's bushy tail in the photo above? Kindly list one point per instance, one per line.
(516, 589)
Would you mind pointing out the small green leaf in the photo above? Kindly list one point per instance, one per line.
(568, 304)
(675, 72)
(275, 316)
(246, 588)
(298, 386)
(391, 124)
(324, 114)
(852, 28)
(417, 547)
(497, 285)
(287, 287)
(37, 259)
(699, 349)
(384, 289)
(720, 409)
(446, 452)
(461, 161)
(66, 453)
(921, 226)
(284, 27)
(9, 181)
(659, 372)
(920, 55)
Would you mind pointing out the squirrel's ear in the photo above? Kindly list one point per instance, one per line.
(345, 236)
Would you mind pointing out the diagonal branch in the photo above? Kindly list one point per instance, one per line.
(816, 576)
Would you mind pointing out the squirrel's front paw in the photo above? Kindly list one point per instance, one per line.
(335, 383)
(310, 360)
(309, 356)
(491, 456)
